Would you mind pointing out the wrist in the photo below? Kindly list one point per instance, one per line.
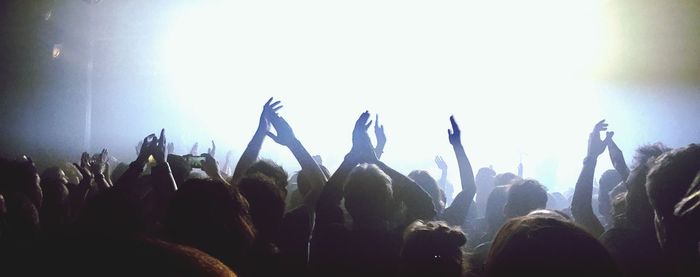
(590, 159)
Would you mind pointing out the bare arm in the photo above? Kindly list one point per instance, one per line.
(616, 157)
(250, 155)
(381, 138)
(459, 208)
(443, 172)
(581, 204)
(328, 207)
(285, 136)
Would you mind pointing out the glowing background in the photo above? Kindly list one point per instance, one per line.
(504, 73)
(523, 78)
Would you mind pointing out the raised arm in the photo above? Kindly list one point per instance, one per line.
(131, 175)
(442, 165)
(418, 203)
(616, 156)
(381, 137)
(250, 155)
(581, 204)
(100, 170)
(328, 207)
(459, 208)
(285, 136)
(163, 180)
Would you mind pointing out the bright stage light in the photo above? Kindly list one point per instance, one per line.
(519, 75)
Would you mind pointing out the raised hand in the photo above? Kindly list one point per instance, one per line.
(285, 135)
(361, 143)
(195, 149)
(211, 167)
(454, 135)
(171, 148)
(379, 132)
(441, 164)
(159, 148)
(212, 151)
(139, 147)
(381, 137)
(146, 147)
(251, 152)
(84, 169)
(268, 109)
(98, 164)
(595, 144)
(616, 156)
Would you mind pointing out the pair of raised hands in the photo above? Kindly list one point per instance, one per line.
(155, 146)
(362, 149)
(596, 145)
(92, 167)
(284, 135)
(195, 149)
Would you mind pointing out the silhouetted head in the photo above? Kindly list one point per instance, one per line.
(272, 170)
(432, 249)
(537, 245)
(303, 183)
(56, 206)
(503, 179)
(525, 196)
(609, 179)
(550, 213)
(607, 182)
(97, 256)
(639, 212)
(429, 185)
(368, 195)
(212, 216)
(669, 179)
(53, 186)
(619, 209)
(113, 212)
(485, 177)
(20, 176)
(494, 214)
(266, 205)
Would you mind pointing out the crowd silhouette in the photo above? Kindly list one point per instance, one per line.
(155, 217)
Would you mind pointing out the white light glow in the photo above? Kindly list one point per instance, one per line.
(518, 75)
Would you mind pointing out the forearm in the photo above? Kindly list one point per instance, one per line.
(466, 173)
(379, 150)
(331, 195)
(316, 177)
(443, 180)
(248, 158)
(163, 179)
(418, 202)
(101, 182)
(618, 160)
(581, 204)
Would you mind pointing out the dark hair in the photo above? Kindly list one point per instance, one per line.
(429, 185)
(547, 246)
(270, 169)
(368, 194)
(668, 181)
(212, 216)
(432, 249)
(638, 211)
(525, 196)
(266, 204)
